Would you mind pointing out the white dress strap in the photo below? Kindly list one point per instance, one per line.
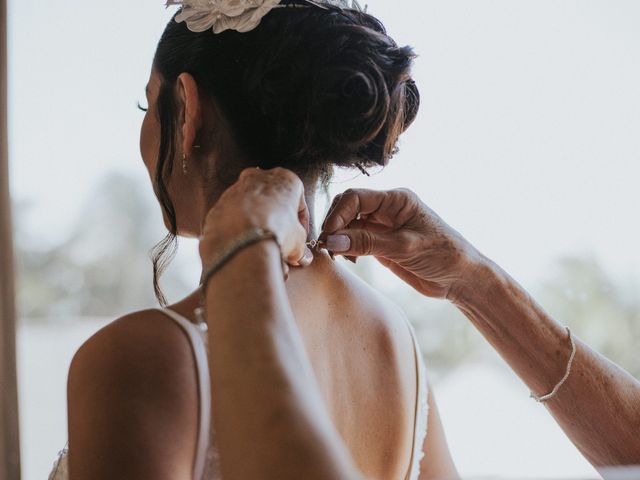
(421, 410)
(200, 354)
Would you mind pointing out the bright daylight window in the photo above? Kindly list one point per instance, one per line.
(527, 142)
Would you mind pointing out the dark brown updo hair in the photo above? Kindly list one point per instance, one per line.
(307, 89)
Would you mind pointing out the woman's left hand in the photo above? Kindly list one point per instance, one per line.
(268, 199)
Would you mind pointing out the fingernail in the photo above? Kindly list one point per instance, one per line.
(338, 243)
(307, 258)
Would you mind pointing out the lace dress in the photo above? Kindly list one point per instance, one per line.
(206, 462)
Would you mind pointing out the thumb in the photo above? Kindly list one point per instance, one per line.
(361, 243)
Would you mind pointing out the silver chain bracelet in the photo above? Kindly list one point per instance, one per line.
(553, 392)
(249, 238)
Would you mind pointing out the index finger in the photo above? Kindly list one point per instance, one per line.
(349, 205)
(303, 213)
(297, 190)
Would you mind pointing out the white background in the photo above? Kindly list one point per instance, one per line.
(528, 142)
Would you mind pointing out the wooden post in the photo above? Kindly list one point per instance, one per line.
(9, 430)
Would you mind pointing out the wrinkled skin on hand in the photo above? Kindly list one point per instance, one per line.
(403, 234)
(267, 199)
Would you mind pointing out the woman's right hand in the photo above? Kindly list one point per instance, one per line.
(268, 199)
(405, 235)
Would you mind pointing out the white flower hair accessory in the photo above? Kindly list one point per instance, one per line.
(241, 15)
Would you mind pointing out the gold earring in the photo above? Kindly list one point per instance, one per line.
(184, 160)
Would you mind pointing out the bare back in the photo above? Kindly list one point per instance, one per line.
(359, 344)
(362, 353)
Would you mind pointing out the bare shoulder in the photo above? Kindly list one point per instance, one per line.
(145, 343)
(131, 388)
(382, 318)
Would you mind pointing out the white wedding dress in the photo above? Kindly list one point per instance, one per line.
(206, 462)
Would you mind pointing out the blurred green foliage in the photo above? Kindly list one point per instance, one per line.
(603, 312)
(103, 268)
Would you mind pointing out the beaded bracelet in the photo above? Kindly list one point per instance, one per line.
(249, 238)
(553, 392)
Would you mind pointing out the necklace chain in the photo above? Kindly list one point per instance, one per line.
(315, 244)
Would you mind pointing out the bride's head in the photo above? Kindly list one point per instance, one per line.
(307, 89)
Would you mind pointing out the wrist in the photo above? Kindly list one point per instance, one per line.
(480, 275)
(255, 237)
(254, 270)
(217, 238)
(259, 255)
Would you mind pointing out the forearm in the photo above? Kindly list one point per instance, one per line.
(269, 417)
(598, 406)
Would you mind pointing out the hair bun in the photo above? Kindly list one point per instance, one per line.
(306, 89)
(353, 108)
(362, 96)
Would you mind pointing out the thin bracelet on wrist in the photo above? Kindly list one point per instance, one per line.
(553, 392)
(249, 238)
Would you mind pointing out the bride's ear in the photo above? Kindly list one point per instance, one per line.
(191, 117)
